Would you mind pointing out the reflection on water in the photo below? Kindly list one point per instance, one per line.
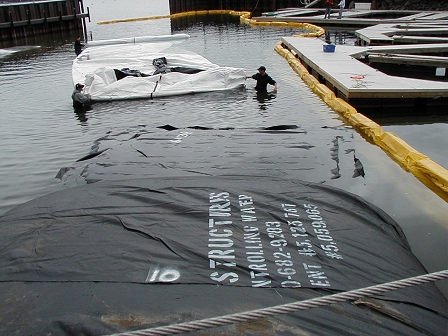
(334, 154)
(81, 116)
(264, 98)
(359, 168)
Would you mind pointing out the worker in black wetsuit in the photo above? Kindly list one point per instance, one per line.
(78, 45)
(263, 79)
(81, 101)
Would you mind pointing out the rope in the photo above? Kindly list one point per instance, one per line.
(288, 308)
(253, 10)
(155, 87)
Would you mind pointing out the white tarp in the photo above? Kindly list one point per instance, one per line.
(96, 68)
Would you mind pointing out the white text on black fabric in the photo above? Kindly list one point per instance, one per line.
(283, 261)
(327, 243)
(316, 276)
(221, 253)
(254, 245)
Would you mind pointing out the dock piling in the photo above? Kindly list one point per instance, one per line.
(26, 19)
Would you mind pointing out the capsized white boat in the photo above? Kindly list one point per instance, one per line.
(146, 67)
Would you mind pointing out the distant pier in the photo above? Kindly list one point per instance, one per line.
(24, 19)
(180, 6)
(354, 18)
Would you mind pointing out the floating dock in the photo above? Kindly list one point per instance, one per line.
(400, 61)
(398, 33)
(364, 87)
(354, 18)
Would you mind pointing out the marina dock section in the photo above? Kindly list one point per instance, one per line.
(397, 33)
(354, 18)
(398, 62)
(364, 87)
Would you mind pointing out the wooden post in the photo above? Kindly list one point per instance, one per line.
(179, 6)
(41, 17)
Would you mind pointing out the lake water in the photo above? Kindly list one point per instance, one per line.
(40, 133)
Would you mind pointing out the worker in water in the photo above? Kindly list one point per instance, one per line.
(78, 45)
(263, 79)
(81, 101)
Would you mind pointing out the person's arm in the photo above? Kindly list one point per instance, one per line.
(273, 82)
(82, 98)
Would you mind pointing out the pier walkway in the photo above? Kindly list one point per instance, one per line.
(402, 33)
(351, 78)
(354, 18)
(409, 50)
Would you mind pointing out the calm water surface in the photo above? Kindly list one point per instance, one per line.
(40, 133)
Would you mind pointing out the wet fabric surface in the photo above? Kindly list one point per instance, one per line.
(168, 244)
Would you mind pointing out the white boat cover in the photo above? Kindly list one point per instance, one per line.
(98, 65)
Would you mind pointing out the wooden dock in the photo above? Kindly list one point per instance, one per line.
(361, 85)
(410, 47)
(354, 18)
(398, 33)
(23, 19)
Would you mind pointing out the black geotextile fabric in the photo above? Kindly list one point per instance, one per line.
(116, 256)
(315, 155)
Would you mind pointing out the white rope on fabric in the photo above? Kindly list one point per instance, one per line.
(287, 308)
